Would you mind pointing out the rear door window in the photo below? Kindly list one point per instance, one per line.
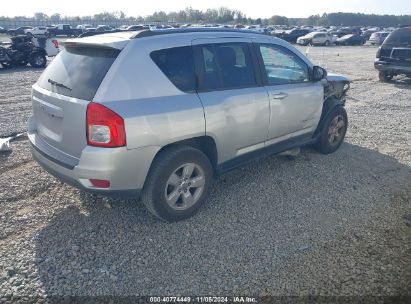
(225, 66)
(178, 65)
(78, 71)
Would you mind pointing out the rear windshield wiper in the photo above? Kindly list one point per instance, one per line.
(58, 84)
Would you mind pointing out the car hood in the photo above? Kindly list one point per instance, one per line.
(337, 77)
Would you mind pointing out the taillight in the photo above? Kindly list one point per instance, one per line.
(56, 43)
(104, 127)
(378, 53)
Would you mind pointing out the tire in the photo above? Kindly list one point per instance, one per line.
(384, 76)
(327, 43)
(6, 65)
(333, 131)
(37, 60)
(23, 63)
(166, 179)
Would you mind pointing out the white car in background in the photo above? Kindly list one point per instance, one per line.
(50, 45)
(316, 38)
(40, 30)
(378, 38)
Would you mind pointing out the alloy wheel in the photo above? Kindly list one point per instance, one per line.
(39, 60)
(336, 130)
(185, 186)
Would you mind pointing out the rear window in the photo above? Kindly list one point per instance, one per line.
(78, 71)
(399, 36)
(178, 65)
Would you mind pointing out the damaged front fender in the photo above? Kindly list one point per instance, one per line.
(336, 86)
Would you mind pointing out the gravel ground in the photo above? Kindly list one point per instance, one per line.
(332, 225)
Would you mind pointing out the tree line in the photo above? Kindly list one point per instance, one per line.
(228, 16)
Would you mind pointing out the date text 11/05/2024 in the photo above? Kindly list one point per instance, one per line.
(210, 299)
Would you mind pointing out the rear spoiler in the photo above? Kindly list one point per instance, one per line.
(72, 44)
(113, 40)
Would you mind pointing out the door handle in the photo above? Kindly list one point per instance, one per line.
(279, 95)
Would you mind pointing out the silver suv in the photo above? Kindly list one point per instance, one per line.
(159, 114)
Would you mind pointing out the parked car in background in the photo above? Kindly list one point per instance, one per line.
(19, 31)
(94, 33)
(368, 32)
(348, 30)
(89, 29)
(51, 27)
(64, 30)
(315, 38)
(292, 35)
(137, 27)
(350, 39)
(22, 51)
(84, 26)
(2, 30)
(40, 30)
(50, 45)
(378, 37)
(394, 55)
(103, 28)
(166, 131)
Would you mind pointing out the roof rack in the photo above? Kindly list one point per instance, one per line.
(149, 33)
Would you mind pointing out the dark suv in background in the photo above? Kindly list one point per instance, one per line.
(394, 55)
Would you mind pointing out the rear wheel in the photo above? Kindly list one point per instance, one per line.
(178, 183)
(384, 76)
(6, 65)
(37, 60)
(333, 132)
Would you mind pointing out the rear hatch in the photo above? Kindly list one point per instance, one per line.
(397, 47)
(62, 93)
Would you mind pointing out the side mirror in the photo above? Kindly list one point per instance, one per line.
(318, 73)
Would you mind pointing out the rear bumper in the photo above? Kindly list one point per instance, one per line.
(125, 169)
(391, 67)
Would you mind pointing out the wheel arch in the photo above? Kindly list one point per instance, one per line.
(40, 51)
(205, 144)
(329, 104)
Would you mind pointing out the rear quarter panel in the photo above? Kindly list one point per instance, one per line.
(155, 112)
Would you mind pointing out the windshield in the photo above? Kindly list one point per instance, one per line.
(78, 71)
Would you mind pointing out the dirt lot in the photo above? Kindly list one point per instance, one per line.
(313, 225)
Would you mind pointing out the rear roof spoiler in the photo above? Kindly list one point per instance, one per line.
(74, 44)
(114, 40)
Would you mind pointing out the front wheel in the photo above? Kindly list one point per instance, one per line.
(327, 43)
(37, 60)
(178, 183)
(333, 131)
(384, 76)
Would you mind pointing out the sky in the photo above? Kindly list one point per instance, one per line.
(252, 8)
